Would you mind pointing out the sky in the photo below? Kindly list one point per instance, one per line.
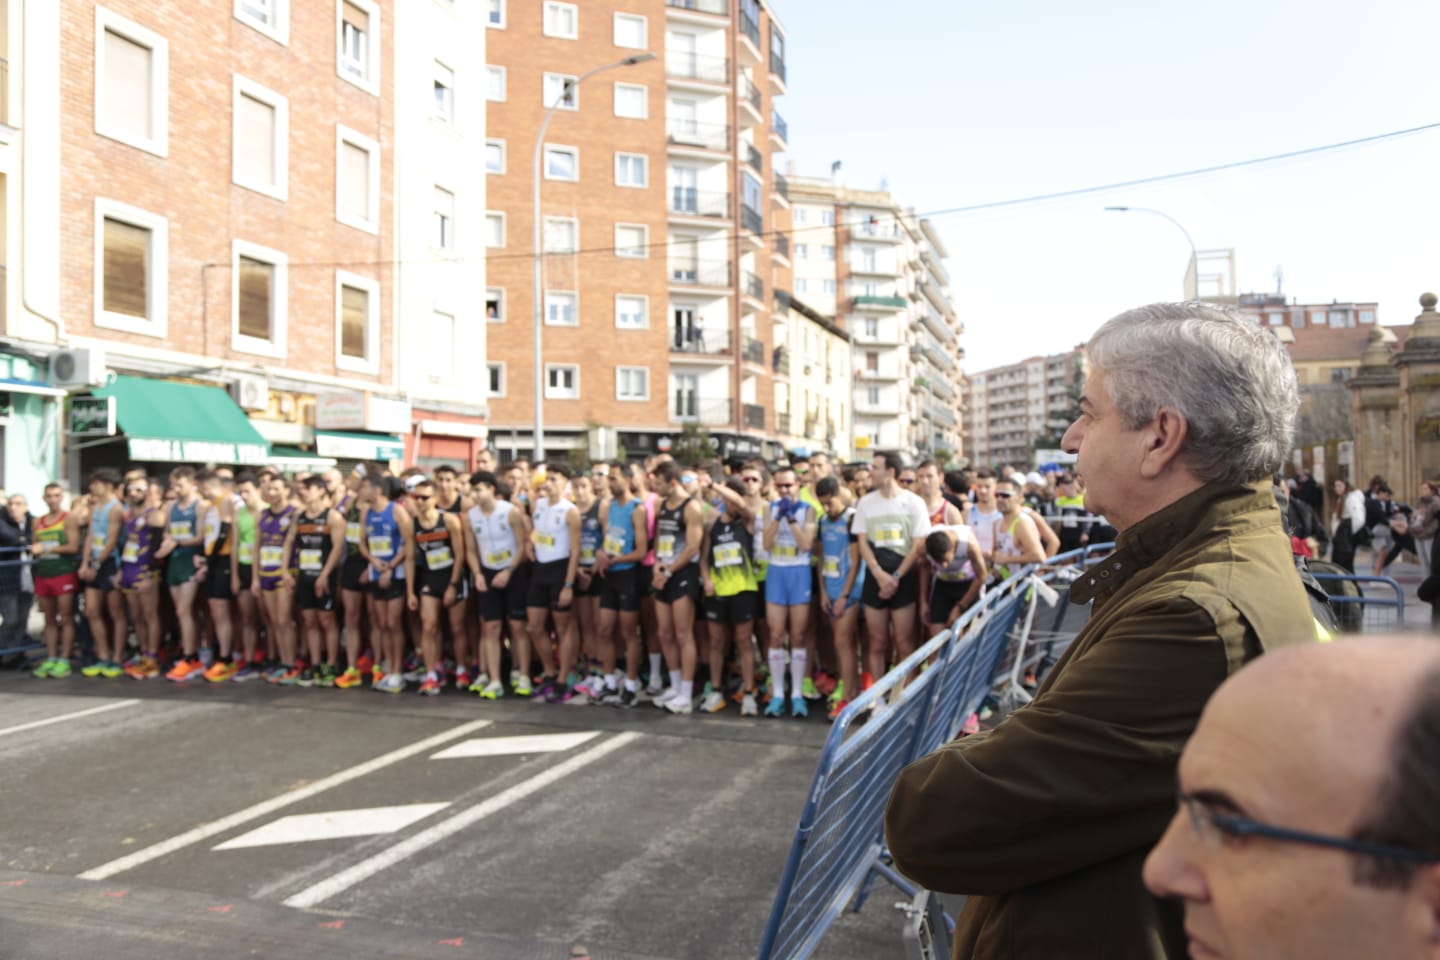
(959, 102)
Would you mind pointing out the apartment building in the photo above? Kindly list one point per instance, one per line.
(1009, 408)
(861, 257)
(814, 405)
(659, 205)
(207, 238)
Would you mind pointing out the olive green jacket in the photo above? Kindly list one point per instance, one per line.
(1046, 820)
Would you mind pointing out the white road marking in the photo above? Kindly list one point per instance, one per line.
(207, 830)
(509, 746)
(334, 825)
(365, 869)
(90, 712)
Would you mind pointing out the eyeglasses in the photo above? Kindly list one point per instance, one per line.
(907, 480)
(1211, 824)
(1003, 496)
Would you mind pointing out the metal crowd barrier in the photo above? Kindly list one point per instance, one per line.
(1364, 604)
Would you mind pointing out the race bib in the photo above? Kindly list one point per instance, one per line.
(784, 551)
(310, 561)
(271, 557)
(587, 556)
(831, 569)
(381, 547)
(352, 533)
(497, 559)
(97, 542)
(665, 548)
(439, 558)
(950, 576)
(889, 535)
(615, 544)
(728, 555)
(131, 553)
(543, 539)
(181, 530)
(247, 554)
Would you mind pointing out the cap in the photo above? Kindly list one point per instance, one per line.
(413, 481)
(1018, 479)
(1035, 478)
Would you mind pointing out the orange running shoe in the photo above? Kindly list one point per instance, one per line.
(221, 670)
(184, 670)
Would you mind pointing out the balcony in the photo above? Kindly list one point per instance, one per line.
(941, 388)
(782, 423)
(721, 8)
(687, 408)
(752, 285)
(778, 127)
(750, 219)
(878, 228)
(699, 342)
(754, 416)
(755, 158)
(777, 66)
(782, 185)
(683, 132)
(753, 351)
(750, 94)
(780, 361)
(749, 27)
(782, 246)
(688, 65)
(782, 301)
(705, 273)
(936, 325)
(689, 202)
(869, 302)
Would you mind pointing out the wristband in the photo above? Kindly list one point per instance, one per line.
(569, 585)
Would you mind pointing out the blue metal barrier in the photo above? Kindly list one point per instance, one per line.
(1377, 603)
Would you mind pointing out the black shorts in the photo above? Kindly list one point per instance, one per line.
(645, 581)
(395, 591)
(508, 602)
(904, 596)
(104, 577)
(217, 579)
(620, 589)
(739, 608)
(434, 583)
(595, 586)
(681, 584)
(547, 581)
(247, 576)
(352, 569)
(945, 596)
(306, 597)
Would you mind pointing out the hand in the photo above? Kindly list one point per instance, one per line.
(709, 587)
(449, 598)
(411, 602)
(255, 587)
(286, 580)
(502, 579)
(567, 596)
(602, 562)
(36, 549)
(387, 578)
(658, 580)
(838, 607)
(235, 584)
(585, 577)
(167, 546)
(87, 574)
(322, 587)
(888, 585)
(480, 586)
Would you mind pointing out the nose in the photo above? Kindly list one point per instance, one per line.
(1172, 870)
(1074, 433)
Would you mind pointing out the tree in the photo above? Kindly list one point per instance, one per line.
(694, 445)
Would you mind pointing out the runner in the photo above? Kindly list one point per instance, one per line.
(139, 580)
(555, 549)
(461, 624)
(389, 547)
(218, 522)
(984, 516)
(732, 595)
(627, 543)
(588, 583)
(182, 544)
(891, 524)
(242, 577)
(319, 545)
(642, 482)
(57, 548)
(789, 539)
(104, 607)
(274, 581)
(959, 573)
(678, 538)
(494, 532)
(439, 583)
(354, 580)
(1016, 539)
(843, 578)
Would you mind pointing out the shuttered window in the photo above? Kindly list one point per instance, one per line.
(126, 280)
(354, 317)
(257, 292)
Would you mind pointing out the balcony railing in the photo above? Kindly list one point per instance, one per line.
(751, 94)
(782, 245)
(780, 360)
(696, 339)
(782, 301)
(749, 27)
(750, 219)
(754, 416)
(709, 273)
(717, 7)
(699, 203)
(779, 126)
(755, 157)
(688, 408)
(753, 351)
(695, 133)
(870, 300)
(690, 65)
(777, 66)
(782, 185)
(753, 285)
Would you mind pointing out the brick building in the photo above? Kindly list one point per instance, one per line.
(1009, 408)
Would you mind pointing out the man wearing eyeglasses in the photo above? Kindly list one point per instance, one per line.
(1303, 831)
(1046, 819)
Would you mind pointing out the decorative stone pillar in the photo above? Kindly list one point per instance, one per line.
(1419, 368)
(1376, 414)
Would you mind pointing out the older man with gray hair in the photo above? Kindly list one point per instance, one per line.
(1045, 821)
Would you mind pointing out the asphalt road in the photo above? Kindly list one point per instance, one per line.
(152, 820)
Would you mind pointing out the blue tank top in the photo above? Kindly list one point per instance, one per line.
(620, 532)
(590, 535)
(100, 528)
(835, 565)
(382, 536)
(182, 526)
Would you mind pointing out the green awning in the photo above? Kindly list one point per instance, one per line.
(165, 420)
(359, 446)
(287, 459)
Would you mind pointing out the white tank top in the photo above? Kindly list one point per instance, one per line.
(959, 566)
(552, 534)
(983, 526)
(785, 552)
(495, 537)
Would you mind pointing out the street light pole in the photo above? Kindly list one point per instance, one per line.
(539, 306)
(1194, 292)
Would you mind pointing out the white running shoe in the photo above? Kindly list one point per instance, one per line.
(712, 702)
(681, 705)
(748, 706)
(663, 700)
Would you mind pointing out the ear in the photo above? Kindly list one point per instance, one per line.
(1163, 439)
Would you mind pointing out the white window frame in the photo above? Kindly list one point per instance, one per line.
(500, 6)
(1367, 317)
(371, 363)
(556, 6)
(545, 94)
(549, 367)
(490, 217)
(491, 73)
(644, 302)
(370, 83)
(828, 285)
(450, 352)
(275, 347)
(446, 117)
(644, 241)
(344, 135)
(501, 297)
(159, 142)
(157, 283)
(619, 379)
(573, 223)
(644, 23)
(504, 378)
(802, 285)
(279, 30)
(645, 162)
(827, 252)
(244, 86)
(802, 251)
(645, 100)
(574, 296)
(495, 142)
(560, 148)
(445, 242)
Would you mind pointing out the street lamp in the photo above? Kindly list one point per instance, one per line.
(565, 90)
(1194, 291)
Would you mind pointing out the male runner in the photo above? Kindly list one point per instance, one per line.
(389, 547)
(959, 573)
(626, 543)
(679, 533)
(56, 548)
(354, 575)
(842, 577)
(732, 594)
(789, 538)
(439, 583)
(274, 582)
(139, 580)
(319, 545)
(555, 549)
(218, 521)
(891, 524)
(182, 544)
(242, 576)
(495, 529)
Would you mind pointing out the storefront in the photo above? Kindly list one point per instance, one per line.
(354, 427)
(30, 420)
(446, 440)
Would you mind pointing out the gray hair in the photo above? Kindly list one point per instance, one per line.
(1227, 376)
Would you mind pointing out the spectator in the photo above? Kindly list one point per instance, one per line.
(1045, 820)
(1070, 506)
(17, 586)
(1309, 832)
(1347, 525)
(1425, 523)
(1308, 491)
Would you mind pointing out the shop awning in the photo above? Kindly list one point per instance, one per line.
(359, 446)
(14, 385)
(290, 459)
(174, 422)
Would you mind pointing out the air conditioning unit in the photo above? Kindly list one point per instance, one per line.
(80, 367)
(251, 392)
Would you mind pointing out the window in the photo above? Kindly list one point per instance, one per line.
(1298, 320)
(1367, 316)
(562, 235)
(560, 308)
(632, 240)
(494, 229)
(872, 327)
(1339, 374)
(632, 100)
(827, 252)
(357, 323)
(270, 17)
(496, 385)
(827, 218)
(872, 360)
(495, 304)
(131, 258)
(562, 163)
(494, 84)
(444, 84)
(1340, 318)
(132, 83)
(560, 89)
(357, 180)
(1317, 317)
(442, 358)
(561, 20)
(802, 285)
(629, 31)
(869, 289)
(867, 259)
(827, 286)
(632, 383)
(444, 236)
(257, 300)
(494, 156)
(872, 395)
(261, 136)
(631, 312)
(1275, 319)
(800, 215)
(802, 250)
(631, 170)
(562, 382)
(495, 14)
(358, 31)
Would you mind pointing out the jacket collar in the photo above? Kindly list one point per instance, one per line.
(1150, 539)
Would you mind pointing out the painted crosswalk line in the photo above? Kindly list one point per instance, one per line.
(333, 825)
(513, 746)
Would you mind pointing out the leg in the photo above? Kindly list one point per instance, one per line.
(430, 633)
(223, 620)
(49, 606)
(457, 616)
(310, 626)
(799, 617)
(845, 650)
(877, 626)
(682, 618)
(149, 598)
(184, 598)
(534, 635)
(354, 601)
(904, 621)
(95, 616)
(249, 627)
(567, 630)
(775, 650)
(744, 634)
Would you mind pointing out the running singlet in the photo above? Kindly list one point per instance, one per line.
(958, 569)
(937, 517)
(983, 526)
(670, 534)
(437, 552)
(352, 528)
(382, 536)
(591, 535)
(272, 529)
(620, 532)
(312, 543)
(137, 550)
(49, 564)
(182, 527)
(835, 541)
(552, 534)
(785, 552)
(100, 528)
(732, 568)
(245, 529)
(495, 537)
(214, 546)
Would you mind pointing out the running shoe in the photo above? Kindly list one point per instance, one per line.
(42, 672)
(839, 692)
(972, 724)
(394, 683)
(327, 676)
(246, 672)
(562, 693)
(712, 702)
(825, 683)
(680, 705)
(798, 708)
(654, 687)
(515, 678)
(274, 673)
(430, 686)
(220, 671)
(808, 689)
(494, 690)
(307, 677)
(521, 685)
(663, 700)
(481, 682)
(748, 707)
(184, 670)
(92, 670)
(544, 687)
(414, 676)
(836, 707)
(144, 669)
(776, 706)
(291, 677)
(207, 657)
(364, 664)
(349, 679)
(867, 680)
(462, 679)
(611, 698)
